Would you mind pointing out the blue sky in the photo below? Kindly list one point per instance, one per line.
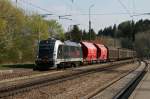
(104, 12)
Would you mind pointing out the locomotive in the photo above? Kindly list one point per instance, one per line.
(57, 54)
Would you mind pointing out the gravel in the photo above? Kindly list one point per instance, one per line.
(76, 88)
(13, 73)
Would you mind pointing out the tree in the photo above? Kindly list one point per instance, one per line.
(75, 34)
(107, 31)
(142, 44)
(100, 32)
(19, 33)
(85, 35)
(126, 29)
(114, 29)
(93, 34)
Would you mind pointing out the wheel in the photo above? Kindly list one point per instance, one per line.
(35, 68)
(73, 65)
(59, 66)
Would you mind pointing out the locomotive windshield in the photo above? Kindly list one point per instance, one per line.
(46, 49)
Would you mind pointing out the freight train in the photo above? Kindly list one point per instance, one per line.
(58, 54)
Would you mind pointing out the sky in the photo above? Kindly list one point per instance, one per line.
(104, 13)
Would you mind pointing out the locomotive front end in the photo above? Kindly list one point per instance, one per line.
(45, 54)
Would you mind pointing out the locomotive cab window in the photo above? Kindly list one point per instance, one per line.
(60, 52)
(46, 49)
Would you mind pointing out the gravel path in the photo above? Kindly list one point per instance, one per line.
(76, 88)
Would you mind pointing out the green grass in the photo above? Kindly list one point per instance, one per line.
(2, 67)
(27, 66)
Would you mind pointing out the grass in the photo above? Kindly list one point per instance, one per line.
(27, 66)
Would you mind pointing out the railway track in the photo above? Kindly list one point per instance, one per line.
(21, 74)
(45, 81)
(124, 93)
(132, 85)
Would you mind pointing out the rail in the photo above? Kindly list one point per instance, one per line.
(45, 81)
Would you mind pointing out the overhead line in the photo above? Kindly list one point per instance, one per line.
(134, 7)
(102, 14)
(125, 8)
(38, 7)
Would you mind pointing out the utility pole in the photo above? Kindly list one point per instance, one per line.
(65, 17)
(43, 16)
(16, 3)
(90, 20)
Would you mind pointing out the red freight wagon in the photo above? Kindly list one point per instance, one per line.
(89, 52)
(102, 53)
